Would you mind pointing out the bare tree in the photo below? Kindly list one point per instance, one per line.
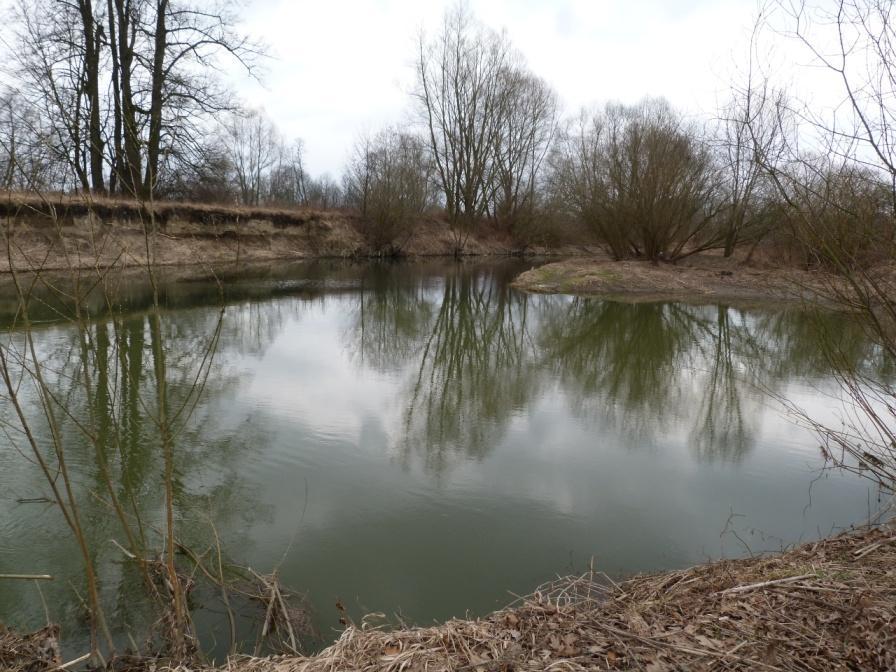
(750, 136)
(27, 161)
(323, 193)
(52, 58)
(126, 84)
(289, 181)
(459, 98)
(528, 122)
(253, 146)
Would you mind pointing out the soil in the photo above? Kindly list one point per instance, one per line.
(66, 234)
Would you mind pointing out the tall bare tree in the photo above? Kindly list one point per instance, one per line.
(52, 58)
(127, 84)
(527, 125)
(750, 134)
(253, 146)
(459, 98)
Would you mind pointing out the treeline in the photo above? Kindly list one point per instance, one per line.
(112, 95)
(121, 99)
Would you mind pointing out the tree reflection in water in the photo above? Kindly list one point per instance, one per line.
(104, 378)
(390, 317)
(464, 355)
(473, 372)
(479, 352)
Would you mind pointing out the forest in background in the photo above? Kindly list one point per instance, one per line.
(124, 98)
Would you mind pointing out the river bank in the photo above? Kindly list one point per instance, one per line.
(67, 233)
(826, 605)
(703, 278)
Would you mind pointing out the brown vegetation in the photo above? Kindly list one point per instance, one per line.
(68, 207)
(389, 183)
(824, 605)
(33, 652)
(642, 179)
(827, 605)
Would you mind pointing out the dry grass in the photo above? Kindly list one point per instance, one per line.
(62, 232)
(705, 277)
(36, 652)
(106, 208)
(829, 605)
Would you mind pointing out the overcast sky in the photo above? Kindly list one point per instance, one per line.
(343, 67)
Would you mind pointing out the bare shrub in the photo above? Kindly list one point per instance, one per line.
(838, 216)
(641, 178)
(388, 182)
(840, 202)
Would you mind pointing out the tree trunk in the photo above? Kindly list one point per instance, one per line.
(116, 159)
(130, 161)
(95, 143)
(153, 145)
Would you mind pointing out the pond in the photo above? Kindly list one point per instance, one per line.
(423, 440)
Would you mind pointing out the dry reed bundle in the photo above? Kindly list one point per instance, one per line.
(829, 605)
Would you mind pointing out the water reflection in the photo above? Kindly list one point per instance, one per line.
(519, 418)
(390, 318)
(724, 426)
(473, 372)
(478, 352)
(102, 380)
(622, 362)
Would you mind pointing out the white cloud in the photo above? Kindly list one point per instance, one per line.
(344, 67)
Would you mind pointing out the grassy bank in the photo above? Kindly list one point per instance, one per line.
(826, 605)
(704, 277)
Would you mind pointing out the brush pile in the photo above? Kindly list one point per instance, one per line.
(36, 652)
(829, 605)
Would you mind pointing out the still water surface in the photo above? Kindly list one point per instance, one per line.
(422, 439)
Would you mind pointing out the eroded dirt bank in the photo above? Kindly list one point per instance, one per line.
(827, 605)
(69, 234)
